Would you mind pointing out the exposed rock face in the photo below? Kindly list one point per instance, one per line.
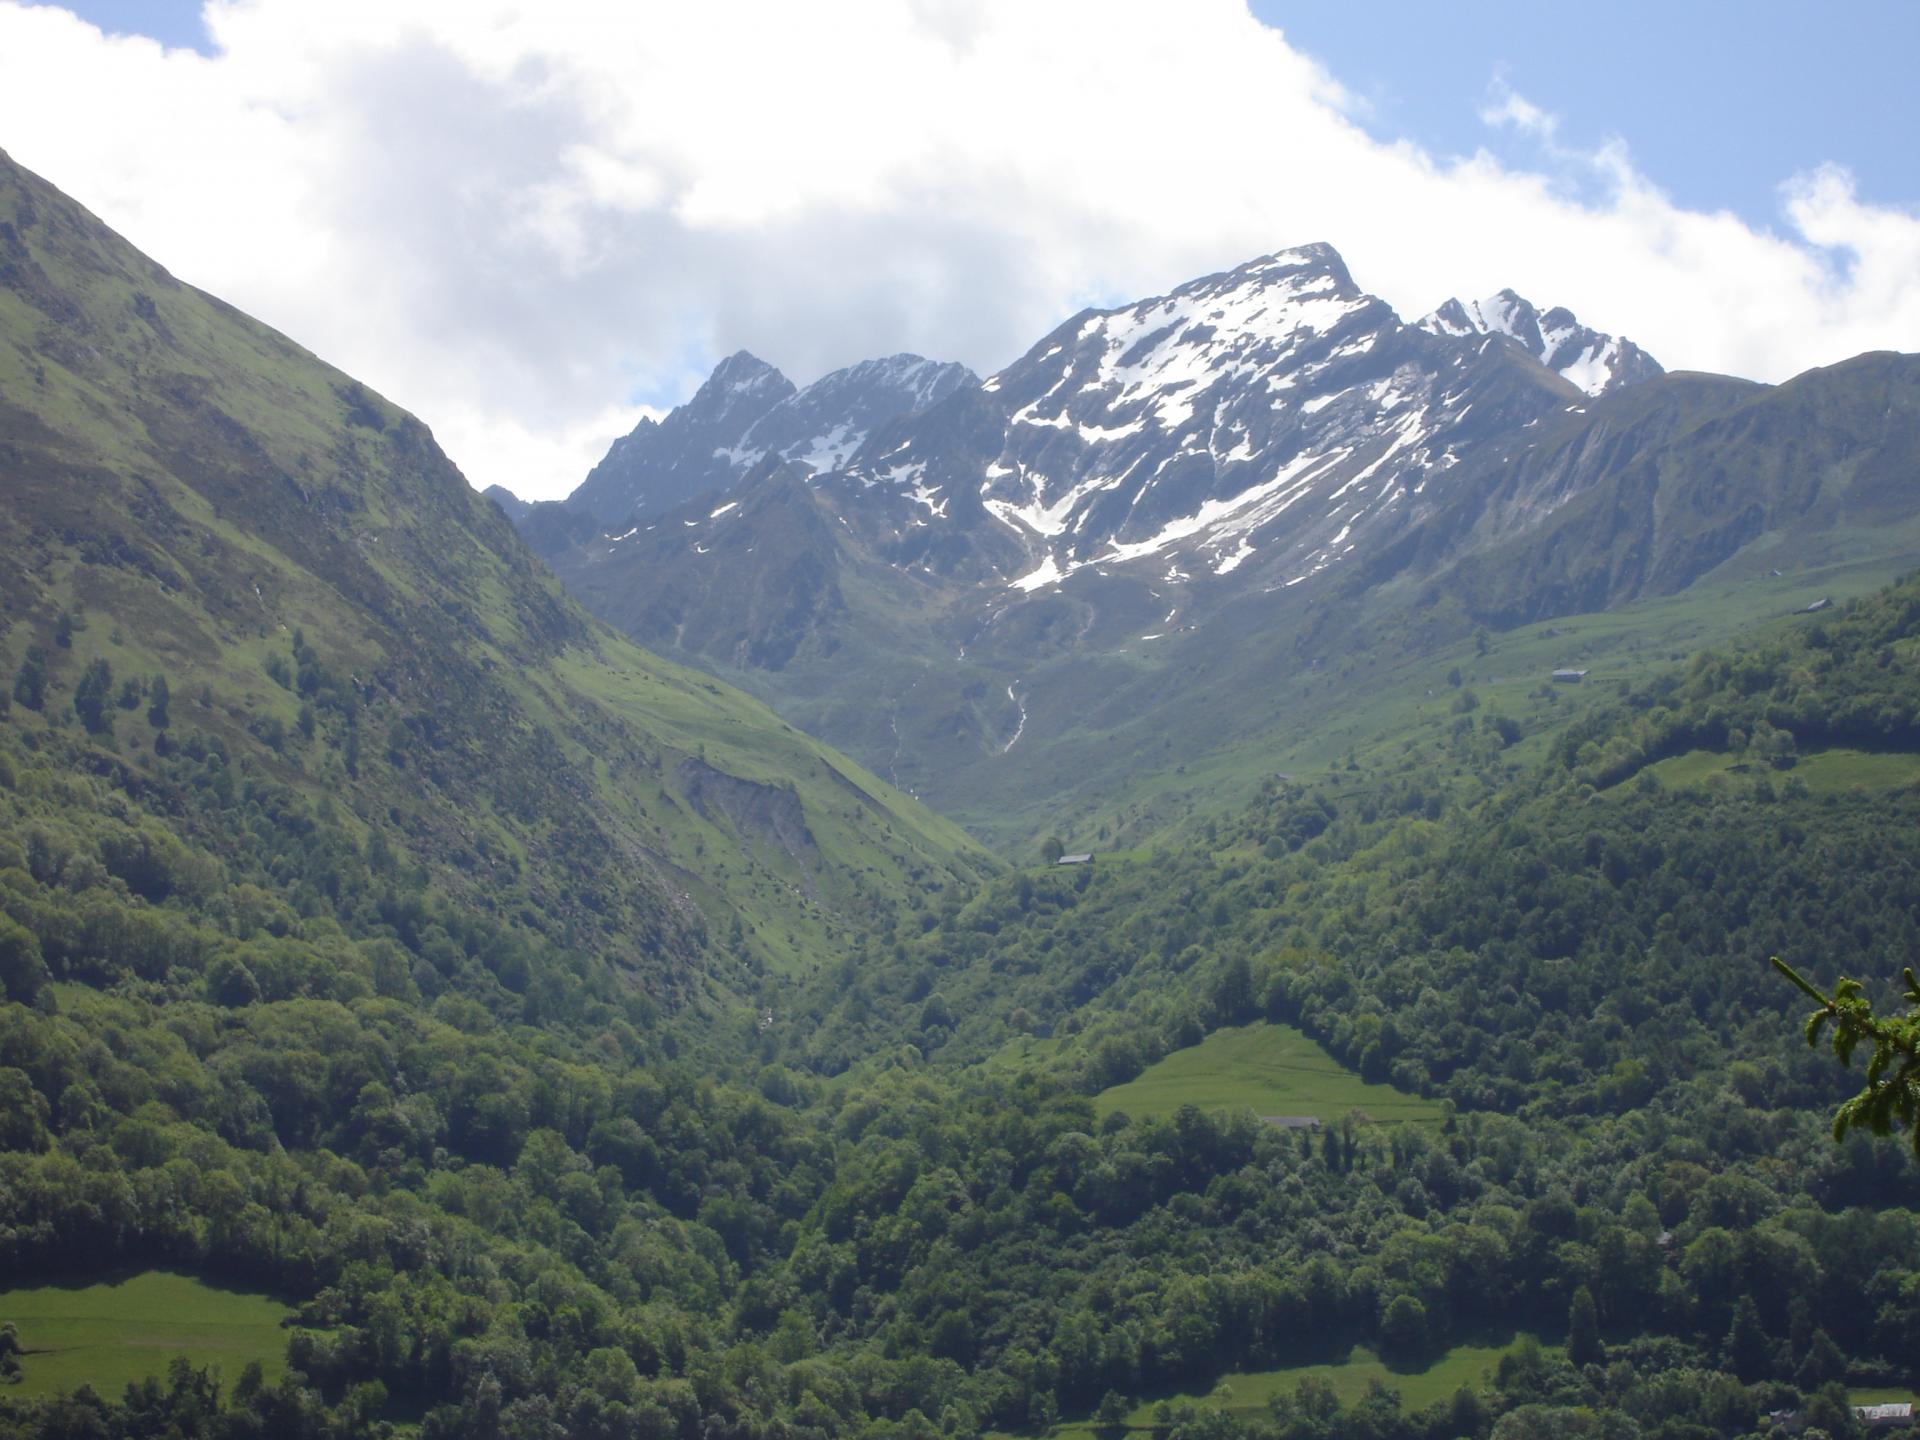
(659, 465)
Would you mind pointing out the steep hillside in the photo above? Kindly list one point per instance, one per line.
(1654, 490)
(229, 569)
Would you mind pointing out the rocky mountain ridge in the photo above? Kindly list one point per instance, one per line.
(1595, 362)
(746, 411)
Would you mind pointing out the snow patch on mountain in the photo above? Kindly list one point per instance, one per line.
(1275, 410)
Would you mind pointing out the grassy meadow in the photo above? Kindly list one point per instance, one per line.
(1249, 1393)
(1269, 1069)
(110, 1334)
(1825, 772)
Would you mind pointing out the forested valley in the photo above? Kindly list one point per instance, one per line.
(501, 1203)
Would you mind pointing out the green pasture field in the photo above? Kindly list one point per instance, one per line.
(112, 1333)
(1248, 1394)
(1269, 1069)
(1823, 772)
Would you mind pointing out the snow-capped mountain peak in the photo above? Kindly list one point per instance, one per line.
(742, 379)
(1270, 422)
(1274, 410)
(1594, 361)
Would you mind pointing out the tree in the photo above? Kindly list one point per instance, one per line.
(90, 696)
(30, 682)
(22, 971)
(936, 1013)
(1044, 1412)
(1825, 1363)
(23, 1112)
(157, 701)
(1467, 1414)
(1233, 991)
(1583, 1330)
(1403, 1329)
(1748, 1348)
(1892, 1092)
(1051, 849)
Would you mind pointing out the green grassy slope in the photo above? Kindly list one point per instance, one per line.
(340, 620)
(118, 1331)
(1272, 1070)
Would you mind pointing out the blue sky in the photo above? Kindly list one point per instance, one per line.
(1719, 101)
(172, 22)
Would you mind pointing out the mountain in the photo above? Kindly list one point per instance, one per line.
(1182, 519)
(1247, 432)
(343, 633)
(1695, 478)
(549, 527)
(1595, 362)
(745, 412)
(1265, 421)
(1266, 424)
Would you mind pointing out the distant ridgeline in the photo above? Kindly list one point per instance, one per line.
(569, 1048)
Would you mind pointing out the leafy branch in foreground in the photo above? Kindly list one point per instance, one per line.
(1892, 1091)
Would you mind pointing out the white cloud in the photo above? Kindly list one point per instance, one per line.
(1506, 106)
(517, 217)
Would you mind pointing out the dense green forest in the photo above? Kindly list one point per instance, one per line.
(502, 1204)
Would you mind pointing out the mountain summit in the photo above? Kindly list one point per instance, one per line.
(746, 411)
(1595, 362)
(659, 464)
(1274, 410)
